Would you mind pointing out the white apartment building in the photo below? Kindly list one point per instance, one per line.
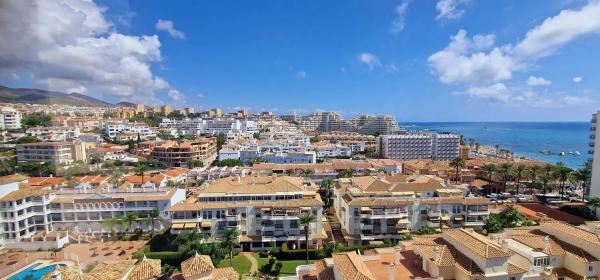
(10, 118)
(595, 156)
(57, 153)
(229, 152)
(214, 126)
(25, 211)
(114, 129)
(332, 150)
(381, 207)
(291, 157)
(265, 210)
(53, 133)
(381, 124)
(441, 146)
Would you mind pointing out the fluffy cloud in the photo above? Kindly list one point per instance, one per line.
(516, 96)
(69, 45)
(450, 9)
(301, 74)
(176, 96)
(577, 79)
(369, 59)
(537, 81)
(483, 68)
(167, 25)
(400, 17)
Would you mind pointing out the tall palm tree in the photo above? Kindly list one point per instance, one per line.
(111, 223)
(504, 170)
(533, 172)
(489, 170)
(546, 178)
(116, 177)
(306, 218)
(130, 218)
(230, 238)
(583, 175)
(153, 217)
(519, 172)
(139, 171)
(326, 192)
(562, 173)
(458, 163)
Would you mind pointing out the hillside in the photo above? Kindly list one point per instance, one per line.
(38, 96)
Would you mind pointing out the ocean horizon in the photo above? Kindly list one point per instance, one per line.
(526, 139)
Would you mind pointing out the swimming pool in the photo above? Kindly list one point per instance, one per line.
(30, 273)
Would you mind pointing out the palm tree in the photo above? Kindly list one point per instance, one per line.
(489, 170)
(583, 175)
(505, 171)
(116, 177)
(111, 223)
(139, 171)
(230, 236)
(477, 145)
(594, 202)
(306, 218)
(458, 163)
(153, 217)
(546, 178)
(533, 173)
(519, 172)
(130, 218)
(326, 192)
(562, 173)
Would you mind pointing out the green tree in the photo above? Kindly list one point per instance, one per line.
(229, 163)
(326, 192)
(230, 238)
(193, 163)
(504, 170)
(315, 139)
(256, 160)
(426, 230)
(305, 219)
(36, 119)
(347, 173)
(489, 170)
(511, 217)
(129, 218)
(493, 224)
(583, 175)
(220, 141)
(545, 180)
(153, 217)
(458, 163)
(562, 173)
(533, 172)
(594, 202)
(111, 224)
(27, 139)
(519, 173)
(139, 171)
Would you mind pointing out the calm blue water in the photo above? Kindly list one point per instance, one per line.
(32, 273)
(523, 138)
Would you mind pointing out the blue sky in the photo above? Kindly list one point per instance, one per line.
(445, 60)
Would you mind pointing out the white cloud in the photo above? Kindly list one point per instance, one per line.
(400, 17)
(69, 44)
(391, 68)
(167, 25)
(200, 95)
(496, 92)
(301, 74)
(450, 9)
(369, 59)
(577, 79)
(537, 81)
(482, 67)
(176, 96)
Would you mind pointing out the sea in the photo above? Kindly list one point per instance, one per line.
(526, 139)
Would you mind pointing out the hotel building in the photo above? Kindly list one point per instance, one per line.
(439, 146)
(179, 153)
(595, 157)
(26, 211)
(265, 210)
(373, 208)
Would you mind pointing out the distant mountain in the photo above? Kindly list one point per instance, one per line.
(39, 96)
(125, 104)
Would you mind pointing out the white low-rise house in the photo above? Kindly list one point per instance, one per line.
(265, 210)
(127, 130)
(291, 158)
(332, 150)
(53, 133)
(229, 152)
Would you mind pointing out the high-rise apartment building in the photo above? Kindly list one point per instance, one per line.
(595, 156)
(179, 153)
(10, 118)
(51, 152)
(440, 146)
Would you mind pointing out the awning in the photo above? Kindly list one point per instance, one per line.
(403, 221)
(205, 224)
(190, 226)
(445, 218)
(265, 209)
(459, 218)
(365, 208)
(177, 226)
(402, 231)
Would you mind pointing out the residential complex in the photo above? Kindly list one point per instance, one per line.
(122, 130)
(438, 146)
(179, 153)
(385, 207)
(265, 210)
(57, 153)
(595, 156)
(332, 121)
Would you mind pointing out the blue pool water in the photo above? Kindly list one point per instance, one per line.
(33, 274)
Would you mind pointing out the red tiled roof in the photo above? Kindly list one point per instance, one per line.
(532, 209)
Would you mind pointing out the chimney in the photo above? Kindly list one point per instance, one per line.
(546, 243)
(391, 271)
(436, 253)
(504, 244)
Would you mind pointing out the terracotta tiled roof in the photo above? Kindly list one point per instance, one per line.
(145, 269)
(196, 265)
(225, 273)
(352, 267)
(110, 270)
(323, 271)
(12, 179)
(475, 244)
(66, 273)
(448, 254)
(174, 172)
(571, 231)
(514, 269)
(291, 203)
(25, 192)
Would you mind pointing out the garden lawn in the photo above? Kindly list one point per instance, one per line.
(240, 264)
(289, 267)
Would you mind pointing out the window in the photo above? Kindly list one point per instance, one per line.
(541, 262)
(590, 268)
